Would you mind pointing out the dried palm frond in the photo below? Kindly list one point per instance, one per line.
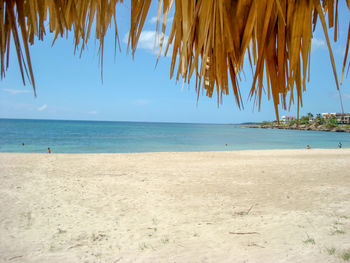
(210, 39)
(62, 16)
(346, 52)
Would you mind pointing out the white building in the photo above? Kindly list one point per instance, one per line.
(288, 118)
(342, 118)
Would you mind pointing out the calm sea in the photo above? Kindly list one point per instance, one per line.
(123, 137)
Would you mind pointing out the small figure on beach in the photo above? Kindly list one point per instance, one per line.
(308, 147)
(49, 150)
(340, 145)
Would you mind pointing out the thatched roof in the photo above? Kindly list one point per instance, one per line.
(210, 38)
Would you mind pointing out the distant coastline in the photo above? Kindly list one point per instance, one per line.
(329, 122)
(302, 127)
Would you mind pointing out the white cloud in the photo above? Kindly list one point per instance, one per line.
(343, 95)
(42, 107)
(346, 95)
(340, 51)
(140, 102)
(93, 112)
(146, 41)
(317, 43)
(153, 20)
(17, 91)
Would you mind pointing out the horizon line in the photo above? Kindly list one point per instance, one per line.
(132, 121)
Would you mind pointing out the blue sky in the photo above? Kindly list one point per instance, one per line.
(70, 88)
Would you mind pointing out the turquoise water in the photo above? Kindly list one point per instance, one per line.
(122, 137)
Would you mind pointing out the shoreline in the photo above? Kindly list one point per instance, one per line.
(231, 206)
(179, 152)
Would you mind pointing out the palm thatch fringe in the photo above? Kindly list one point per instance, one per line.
(210, 38)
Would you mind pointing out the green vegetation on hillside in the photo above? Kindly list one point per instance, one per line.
(308, 122)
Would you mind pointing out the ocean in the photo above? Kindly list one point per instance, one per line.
(131, 137)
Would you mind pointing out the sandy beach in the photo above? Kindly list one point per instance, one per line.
(241, 206)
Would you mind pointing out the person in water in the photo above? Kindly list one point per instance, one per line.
(308, 147)
(49, 150)
(340, 145)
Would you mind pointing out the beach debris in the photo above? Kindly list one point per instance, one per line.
(99, 237)
(28, 219)
(244, 213)
(309, 240)
(143, 246)
(61, 231)
(252, 244)
(244, 233)
(14, 258)
(77, 245)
